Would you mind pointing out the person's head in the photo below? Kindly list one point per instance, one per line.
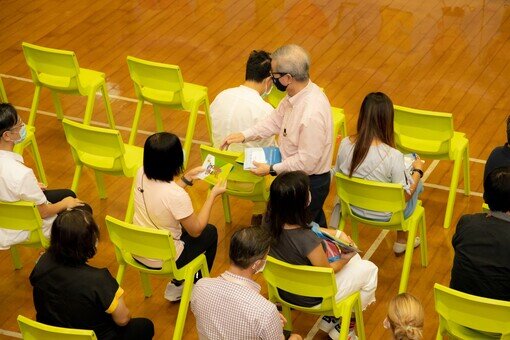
(74, 236)
(496, 189)
(375, 121)
(12, 128)
(289, 198)
(405, 317)
(289, 63)
(249, 247)
(162, 156)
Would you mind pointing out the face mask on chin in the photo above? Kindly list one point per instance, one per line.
(267, 92)
(261, 268)
(22, 134)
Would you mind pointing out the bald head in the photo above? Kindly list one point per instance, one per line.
(292, 59)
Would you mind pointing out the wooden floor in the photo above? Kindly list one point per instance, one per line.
(450, 56)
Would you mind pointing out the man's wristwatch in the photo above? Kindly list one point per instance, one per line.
(418, 171)
(272, 172)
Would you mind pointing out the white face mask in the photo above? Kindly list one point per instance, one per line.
(22, 134)
(267, 92)
(261, 268)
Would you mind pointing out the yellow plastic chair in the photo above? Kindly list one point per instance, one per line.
(162, 85)
(30, 142)
(384, 197)
(101, 150)
(240, 183)
(339, 126)
(275, 97)
(130, 239)
(33, 330)
(58, 70)
(485, 207)
(3, 95)
(23, 216)
(431, 135)
(466, 316)
(313, 282)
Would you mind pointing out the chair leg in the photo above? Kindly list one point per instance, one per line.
(108, 105)
(287, 314)
(16, 258)
(343, 129)
(358, 313)
(76, 178)
(146, 284)
(438, 334)
(408, 258)
(38, 161)
(423, 246)
(100, 184)
(130, 211)
(58, 105)
(183, 307)
(35, 105)
(226, 208)
(344, 326)
(158, 117)
(208, 117)
(453, 192)
(91, 98)
(120, 273)
(467, 177)
(189, 133)
(355, 231)
(136, 121)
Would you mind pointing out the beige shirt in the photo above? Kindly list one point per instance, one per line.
(18, 183)
(237, 109)
(161, 206)
(304, 125)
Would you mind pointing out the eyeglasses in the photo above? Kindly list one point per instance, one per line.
(280, 73)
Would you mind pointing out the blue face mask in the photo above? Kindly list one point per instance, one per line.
(22, 134)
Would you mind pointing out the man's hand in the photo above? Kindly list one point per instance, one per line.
(282, 319)
(193, 173)
(261, 169)
(237, 137)
(71, 202)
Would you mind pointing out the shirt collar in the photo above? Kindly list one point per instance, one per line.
(241, 280)
(11, 155)
(298, 96)
(500, 215)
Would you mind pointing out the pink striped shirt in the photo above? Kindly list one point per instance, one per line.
(304, 126)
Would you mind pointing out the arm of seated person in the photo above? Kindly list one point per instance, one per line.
(318, 258)
(121, 315)
(51, 209)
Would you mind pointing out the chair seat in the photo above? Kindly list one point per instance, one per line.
(190, 92)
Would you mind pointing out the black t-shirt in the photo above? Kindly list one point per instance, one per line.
(499, 158)
(293, 247)
(75, 297)
(482, 256)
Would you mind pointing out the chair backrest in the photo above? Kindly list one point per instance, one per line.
(130, 239)
(156, 82)
(23, 215)
(33, 330)
(98, 148)
(301, 280)
(275, 97)
(3, 94)
(426, 132)
(56, 69)
(239, 181)
(477, 313)
(371, 195)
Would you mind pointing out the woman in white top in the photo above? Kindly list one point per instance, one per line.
(371, 155)
(161, 202)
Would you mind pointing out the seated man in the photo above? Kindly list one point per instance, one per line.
(500, 156)
(230, 306)
(18, 182)
(482, 253)
(241, 107)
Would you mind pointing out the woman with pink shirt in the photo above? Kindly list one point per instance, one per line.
(161, 202)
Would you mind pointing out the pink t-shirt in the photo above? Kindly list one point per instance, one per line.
(161, 206)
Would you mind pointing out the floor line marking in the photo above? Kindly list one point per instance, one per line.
(459, 191)
(11, 334)
(313, 331)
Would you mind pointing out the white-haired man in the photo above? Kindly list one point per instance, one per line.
(303, 124)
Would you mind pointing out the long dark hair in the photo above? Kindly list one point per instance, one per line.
(375, 120)
(288, 202)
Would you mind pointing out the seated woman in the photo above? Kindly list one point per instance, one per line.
(405, 318)
(294, 242)
(162, 203)
(70, 293)
(371, 155)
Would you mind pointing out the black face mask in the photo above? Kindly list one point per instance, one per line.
(278, 84)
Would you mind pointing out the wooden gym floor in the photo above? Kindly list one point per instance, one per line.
(450, 56)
